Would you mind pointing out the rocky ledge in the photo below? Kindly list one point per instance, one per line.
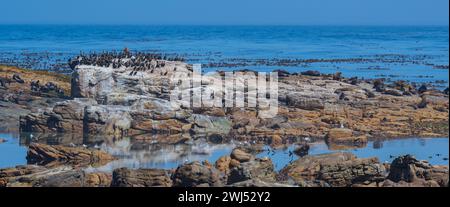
(25, 91)
(47, 155)
(242, 169)
(112, 96)
(128, 95)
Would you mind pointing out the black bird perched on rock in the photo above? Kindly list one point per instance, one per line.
(18, 79)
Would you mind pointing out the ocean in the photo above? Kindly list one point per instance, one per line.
(413, 53)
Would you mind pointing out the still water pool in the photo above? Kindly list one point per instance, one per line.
(133, 154)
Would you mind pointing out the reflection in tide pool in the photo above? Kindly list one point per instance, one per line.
(145, 155)
(435, 150)
(140, 154)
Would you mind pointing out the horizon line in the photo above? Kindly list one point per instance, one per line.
(169, 24)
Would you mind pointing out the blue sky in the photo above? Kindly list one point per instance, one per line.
(230, 12)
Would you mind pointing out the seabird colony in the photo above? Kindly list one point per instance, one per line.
(139, 61)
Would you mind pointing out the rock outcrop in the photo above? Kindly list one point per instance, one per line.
(58, 155)
(327, 170)
(342, 136)
(123, 98)
(406, 171)
(196, 174)
(62, 176)
(241, 156)
(258, 169)
(124, 177)
(336, 170)
(116, 102)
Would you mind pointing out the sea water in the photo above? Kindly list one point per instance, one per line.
(414, 53)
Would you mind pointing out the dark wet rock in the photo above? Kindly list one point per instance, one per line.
(446, 91)
(423, 103)
(379, 85)
(4, 82)
(369, 93)
(337, 76)
(311, 73)
(282, 73)
(408, 171)
(393, 92)
(296, 100)
(196, 174)
(124, 177)
(56, 155)
(302, 149)
(261, 169)
(336, 170)
(423, 89)
(353, 81)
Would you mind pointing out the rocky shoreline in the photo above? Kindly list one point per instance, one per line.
(239, 169)
(127, 95)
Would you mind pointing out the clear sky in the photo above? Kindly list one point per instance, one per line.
(232, 12)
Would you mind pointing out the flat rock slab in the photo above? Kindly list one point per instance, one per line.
(56, 155)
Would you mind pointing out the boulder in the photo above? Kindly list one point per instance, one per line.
(241, 156)
(223, 164)
(196, 174)
(204, 124)
(98, 180)
(302, 149)
(361, 172)
(124, 177)
(408, 171)
(296, 100)
(261, 169)
(336, 170)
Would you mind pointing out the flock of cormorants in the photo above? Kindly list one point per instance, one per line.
(139, 61)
